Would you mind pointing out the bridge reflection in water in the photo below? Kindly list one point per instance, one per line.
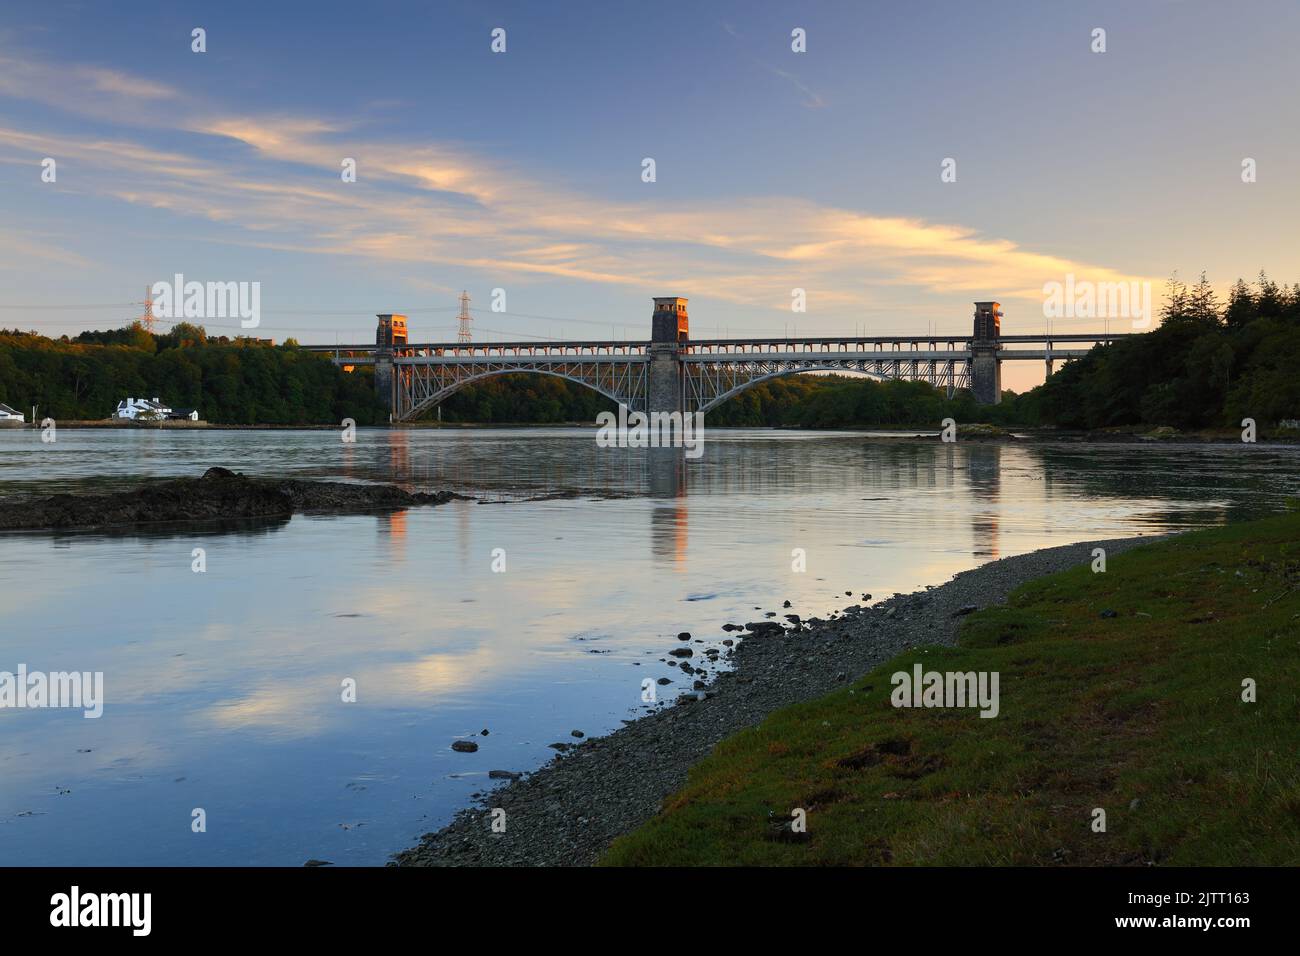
(667, 468)
(984, 478)
(908, 477)
(913, 464)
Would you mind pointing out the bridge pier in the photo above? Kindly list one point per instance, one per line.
(390, 332)
(384, 379)
(669, 330)
(985, 366)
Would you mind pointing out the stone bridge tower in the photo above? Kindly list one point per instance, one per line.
(669, 331)
(985, 366)
(389, 335)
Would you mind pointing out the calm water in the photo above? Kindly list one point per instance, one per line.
(224, 688)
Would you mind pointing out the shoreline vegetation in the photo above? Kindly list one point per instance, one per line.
(1121, 691)
(1148, 718)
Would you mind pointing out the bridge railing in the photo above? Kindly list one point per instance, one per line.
(738, 349)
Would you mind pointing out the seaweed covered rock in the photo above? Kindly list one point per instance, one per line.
(221, 494)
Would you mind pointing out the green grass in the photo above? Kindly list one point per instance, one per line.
(1095, 712)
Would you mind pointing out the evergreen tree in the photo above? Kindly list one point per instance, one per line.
(1203, 305)
(1177, 299)
(1268, 303)
(1241, 306)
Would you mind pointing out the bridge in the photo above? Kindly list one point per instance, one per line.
(674, 373)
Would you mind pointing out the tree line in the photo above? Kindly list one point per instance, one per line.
(230, 381)
(1208, 364)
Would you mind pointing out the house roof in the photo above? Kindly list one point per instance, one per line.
(5, 408)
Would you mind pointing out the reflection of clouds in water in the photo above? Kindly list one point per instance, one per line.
(493, 636)
(397, 621)
(306, 706)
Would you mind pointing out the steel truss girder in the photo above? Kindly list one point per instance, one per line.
(422, 384)
(709, 384)
(418, 386)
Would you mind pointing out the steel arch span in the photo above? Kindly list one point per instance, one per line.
(417, 387)
(708, 384)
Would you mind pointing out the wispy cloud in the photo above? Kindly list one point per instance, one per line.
(811, 98)
(119, 84)
(93, 92)
(441, 203)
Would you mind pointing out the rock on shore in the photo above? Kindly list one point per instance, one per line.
(220, 494)
(569, 811)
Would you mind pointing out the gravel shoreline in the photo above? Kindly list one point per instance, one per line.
(569, 811)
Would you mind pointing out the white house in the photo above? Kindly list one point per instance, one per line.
(142, 410)
(7, 414)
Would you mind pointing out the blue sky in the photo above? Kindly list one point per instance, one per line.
(522, 170)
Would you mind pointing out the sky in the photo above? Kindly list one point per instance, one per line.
(523, 170)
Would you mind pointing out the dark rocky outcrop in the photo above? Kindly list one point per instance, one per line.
(219, 495)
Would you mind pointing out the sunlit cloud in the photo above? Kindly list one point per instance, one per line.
(423, 203)
(111, 81)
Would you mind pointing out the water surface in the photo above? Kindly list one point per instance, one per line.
(224, 688)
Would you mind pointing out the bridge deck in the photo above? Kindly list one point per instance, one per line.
(958, 355)
(906, 344)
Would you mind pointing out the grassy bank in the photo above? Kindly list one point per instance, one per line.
(1140, 714)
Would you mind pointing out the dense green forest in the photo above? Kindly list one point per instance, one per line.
(228, 381)
(234, 381)
(839, 401)
(525, 399)
(1206, 365)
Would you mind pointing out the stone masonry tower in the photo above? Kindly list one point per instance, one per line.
(985, 366)
(390, 334)
(669, 331)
